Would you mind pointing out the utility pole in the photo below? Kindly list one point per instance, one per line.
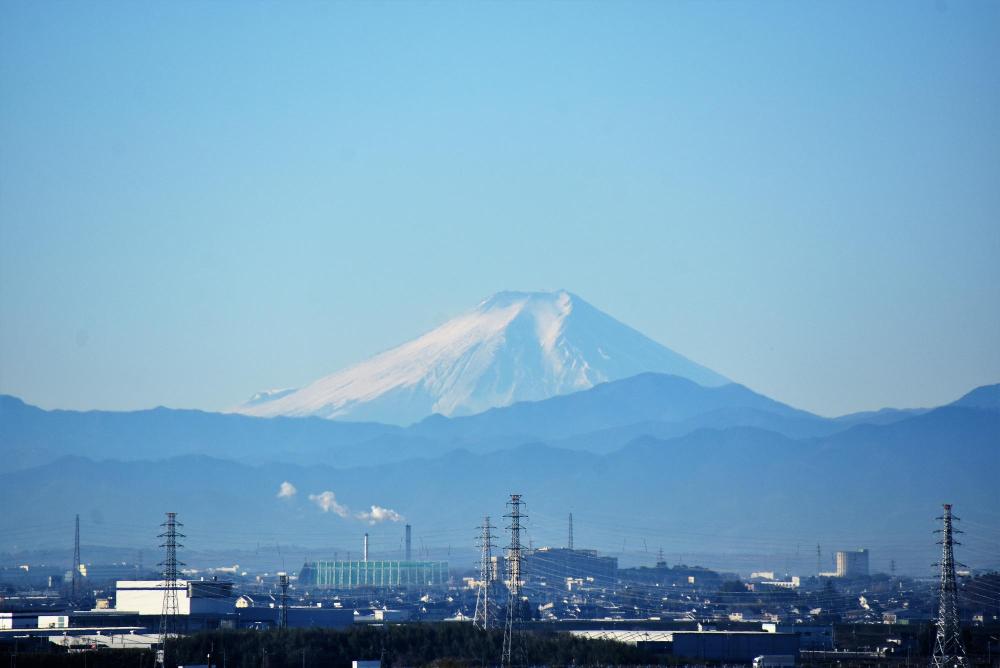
(948, 650)
(76, 563)
(171, 608)
(483, 618)
(514, 554)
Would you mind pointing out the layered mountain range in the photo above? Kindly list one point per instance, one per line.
(674, 454)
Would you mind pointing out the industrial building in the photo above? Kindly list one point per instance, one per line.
(377, 574)
(724, 646)
(196, 597)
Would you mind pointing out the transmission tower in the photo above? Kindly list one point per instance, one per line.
(484, 599)
(76, 563)
(569, 543)
(514, 554)
(283, 583)
(948, 650)
(171, 608)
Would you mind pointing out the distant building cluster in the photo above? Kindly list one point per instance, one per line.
(561, 566)
(683, 611)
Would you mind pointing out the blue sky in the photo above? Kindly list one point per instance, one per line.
(202, 200)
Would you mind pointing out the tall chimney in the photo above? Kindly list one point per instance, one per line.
(409, 553)
(366, 547)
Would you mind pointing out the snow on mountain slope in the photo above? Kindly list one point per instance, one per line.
(514, 346)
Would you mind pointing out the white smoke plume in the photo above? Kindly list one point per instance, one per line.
(287, 490)
(327, 502)
(379, 514)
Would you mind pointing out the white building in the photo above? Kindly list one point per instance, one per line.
(193, 597)
(852, 564)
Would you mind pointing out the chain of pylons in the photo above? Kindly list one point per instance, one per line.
(514, 554)
(484, 617)
(171, 608)
(948, 649)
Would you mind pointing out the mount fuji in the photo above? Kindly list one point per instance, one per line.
(514, 346)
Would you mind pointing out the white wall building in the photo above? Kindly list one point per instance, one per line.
(852, 564)
(193, 597)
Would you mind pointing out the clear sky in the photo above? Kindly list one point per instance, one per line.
(202, 200)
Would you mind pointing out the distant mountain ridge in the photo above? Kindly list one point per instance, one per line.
(877, 485)
(514, 346)
(619, 410)
(985, 397)
(601, 419)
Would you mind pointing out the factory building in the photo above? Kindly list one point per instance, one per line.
(852, 564)
(377, 574)
(733, 646)
(717, 646)
(196, 597)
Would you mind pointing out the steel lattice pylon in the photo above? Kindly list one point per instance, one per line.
(75, 597)
(171, 608)
(948, 650)
(484, 618)
(283, 584)
(514, 554)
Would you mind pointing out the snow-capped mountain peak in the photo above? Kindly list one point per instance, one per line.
(514, 346)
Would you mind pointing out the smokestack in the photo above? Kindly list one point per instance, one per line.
(366, 547)
(409, 553)
(570, 542)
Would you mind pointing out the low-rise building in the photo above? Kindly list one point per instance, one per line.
(145, 597)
